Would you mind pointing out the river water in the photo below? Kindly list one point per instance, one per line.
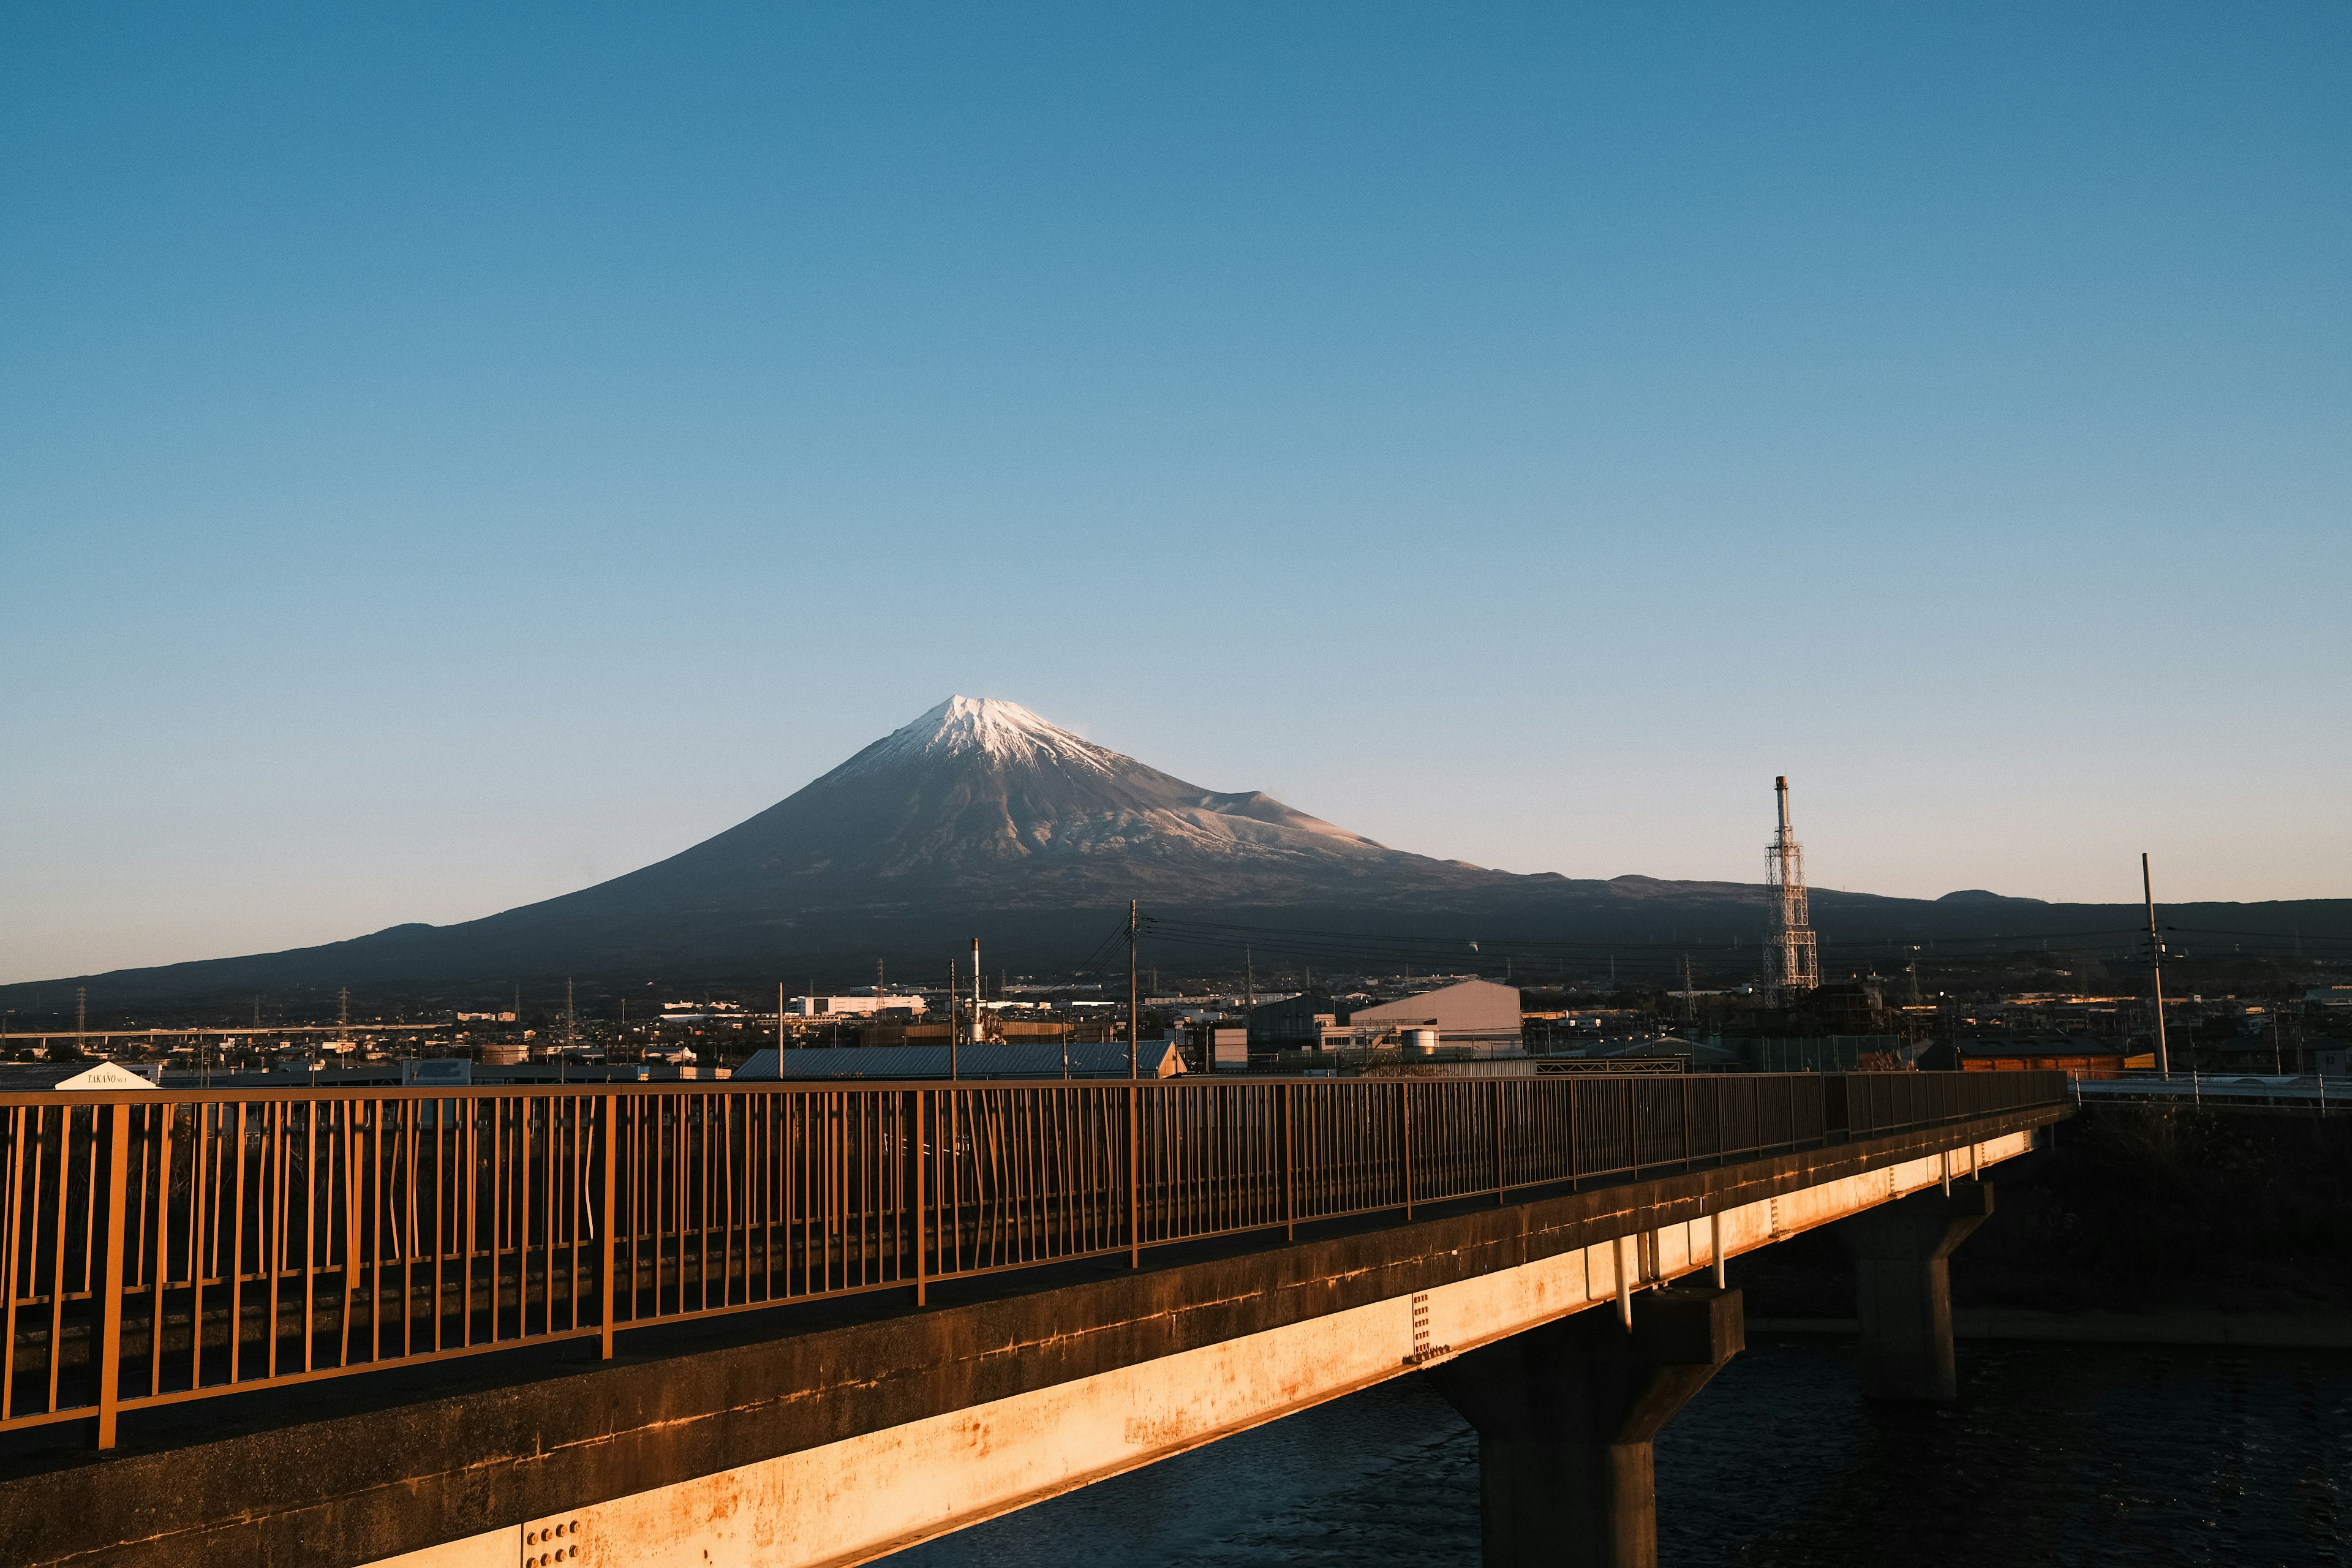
(2058, 1454)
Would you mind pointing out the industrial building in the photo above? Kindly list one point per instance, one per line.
(1478, 1017)
(866, 1005)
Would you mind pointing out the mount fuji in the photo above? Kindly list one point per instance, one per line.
(981, 818)
(983, 803)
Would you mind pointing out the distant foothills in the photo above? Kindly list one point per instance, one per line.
(981, 818)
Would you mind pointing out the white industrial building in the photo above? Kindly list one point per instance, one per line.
(1476, 1016)
(866, 1005)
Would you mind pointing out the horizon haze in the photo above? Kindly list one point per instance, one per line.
(980, 818)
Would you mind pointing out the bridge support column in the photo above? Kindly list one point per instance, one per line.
(1903, 1288)
(1565, 1416)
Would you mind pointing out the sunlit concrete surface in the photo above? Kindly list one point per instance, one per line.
(849, 1501)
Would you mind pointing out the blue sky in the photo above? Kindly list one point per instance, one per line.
(447, 458)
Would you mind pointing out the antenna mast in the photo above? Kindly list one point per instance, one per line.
(1794, 962)
(2155, 972)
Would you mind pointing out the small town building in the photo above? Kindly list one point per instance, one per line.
(1822, 1053)
(2080, 1055)
(1681, 1054)
(17, 1077)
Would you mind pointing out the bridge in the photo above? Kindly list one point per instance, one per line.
(810, 1324)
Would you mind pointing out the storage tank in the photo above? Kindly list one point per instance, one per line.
(1420, 1042)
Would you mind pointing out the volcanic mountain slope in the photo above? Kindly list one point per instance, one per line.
(981, 817)
(983, 801)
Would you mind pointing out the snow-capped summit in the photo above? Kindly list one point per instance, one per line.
(1000, 730)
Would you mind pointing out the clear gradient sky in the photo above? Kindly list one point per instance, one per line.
(448, 458)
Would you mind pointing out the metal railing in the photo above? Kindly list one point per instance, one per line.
(2319, 1093)
(172, 1245)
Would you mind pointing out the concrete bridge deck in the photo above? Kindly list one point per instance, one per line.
(833, 1431)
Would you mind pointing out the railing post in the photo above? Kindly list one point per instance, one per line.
(1501, 1170)
(1686, 1128)
(352, 1183)
(922, 1139)
(110, 1329)
(1404, 1116)
(610, 1139)
(1289, 1162)
(1575, 1176)
(1134, 1177)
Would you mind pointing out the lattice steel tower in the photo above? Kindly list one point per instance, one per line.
(1793, 965)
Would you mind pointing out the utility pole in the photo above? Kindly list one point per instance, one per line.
(1249, 979)
(82, 1020)
(779, 1016)
(1690, 998)
(953, 1073)
(2156, 967)
(571, 1018)
(1134, 1017)
(975, 991)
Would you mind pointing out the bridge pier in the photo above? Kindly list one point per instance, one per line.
(1566, 1415)
(1903, 1288)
